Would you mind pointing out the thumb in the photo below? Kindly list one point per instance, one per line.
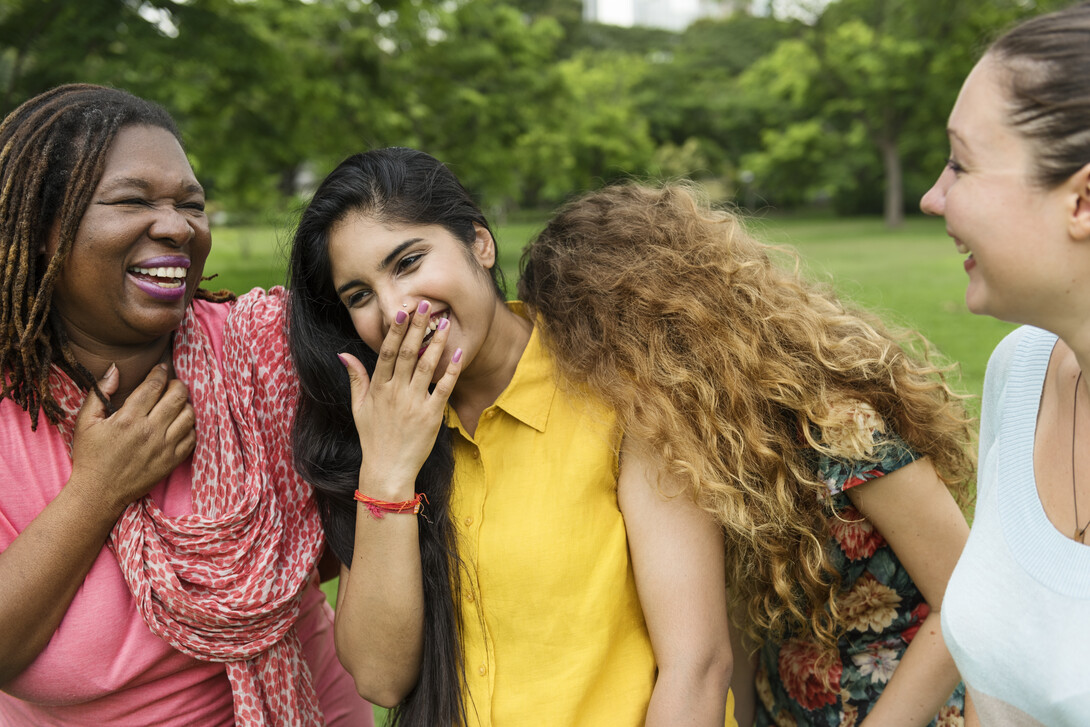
(108, 384)
(358, 379)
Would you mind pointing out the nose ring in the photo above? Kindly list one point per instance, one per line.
(404, 305)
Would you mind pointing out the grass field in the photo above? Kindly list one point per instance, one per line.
(912, 277)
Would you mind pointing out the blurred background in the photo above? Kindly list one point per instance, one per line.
(772, 104)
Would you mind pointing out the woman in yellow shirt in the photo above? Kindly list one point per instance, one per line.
(554, 574)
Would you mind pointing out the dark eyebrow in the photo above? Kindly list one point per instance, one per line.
(386, 262)
(395, 252)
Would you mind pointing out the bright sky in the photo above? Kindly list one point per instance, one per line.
(615, 12)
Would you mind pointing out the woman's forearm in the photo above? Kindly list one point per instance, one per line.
(43, 568)
(695, 696)
(380, 608)
(921, 683)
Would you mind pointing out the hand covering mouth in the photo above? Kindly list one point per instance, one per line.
(433, 324)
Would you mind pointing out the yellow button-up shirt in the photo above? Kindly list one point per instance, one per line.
(553, 629)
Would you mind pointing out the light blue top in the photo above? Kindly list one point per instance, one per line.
(1016, 615)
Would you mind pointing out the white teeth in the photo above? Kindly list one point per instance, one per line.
(434, 322)
(161, 272)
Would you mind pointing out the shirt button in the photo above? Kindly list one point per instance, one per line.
(469, 521)
(476, 454)
(469, 596)
(483, 670)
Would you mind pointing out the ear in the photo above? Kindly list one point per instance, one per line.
(484, 247)
(1078, 223)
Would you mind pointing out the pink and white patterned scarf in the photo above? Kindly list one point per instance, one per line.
(225, 583)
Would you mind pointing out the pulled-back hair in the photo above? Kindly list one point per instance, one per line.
(1047, 59)
(53, 151)
(734, 371)
(394, 186)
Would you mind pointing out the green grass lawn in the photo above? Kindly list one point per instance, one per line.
(912, 277)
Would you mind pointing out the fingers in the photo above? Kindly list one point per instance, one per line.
(164, 404)
(445, 385)
(92, 405)
(182, 432)
(144, 398)
(110, 381)
(401, 348)
(429, 360)
(357, 377)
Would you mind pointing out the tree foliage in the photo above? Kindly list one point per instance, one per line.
(524, 99)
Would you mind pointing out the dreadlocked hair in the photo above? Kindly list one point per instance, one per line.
(736, 372)
(53, 151)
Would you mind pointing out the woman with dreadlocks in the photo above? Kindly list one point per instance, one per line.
(829, 454)
(157, 550)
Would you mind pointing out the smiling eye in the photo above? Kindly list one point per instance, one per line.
(954, 166)
(356, 298)
(408, 262)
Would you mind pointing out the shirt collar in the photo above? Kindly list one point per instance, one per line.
(529, 395)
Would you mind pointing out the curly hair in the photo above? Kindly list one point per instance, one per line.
(53, 151)
(735, 371)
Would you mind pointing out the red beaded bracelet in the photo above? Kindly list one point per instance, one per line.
(377, 507)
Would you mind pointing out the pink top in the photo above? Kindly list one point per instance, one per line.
(103, 665)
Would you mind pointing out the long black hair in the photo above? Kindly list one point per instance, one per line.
(402, 186)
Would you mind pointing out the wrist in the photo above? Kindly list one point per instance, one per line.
(91, 495)
(379, 508)
(389, 485)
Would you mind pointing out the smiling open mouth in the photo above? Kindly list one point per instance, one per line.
(163, 277)
(165, 282)
(433, 325)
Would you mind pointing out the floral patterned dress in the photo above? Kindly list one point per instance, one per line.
(883, 610)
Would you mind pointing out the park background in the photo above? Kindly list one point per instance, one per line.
(823, 122)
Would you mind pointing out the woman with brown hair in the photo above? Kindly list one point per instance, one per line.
(1016, 198)
(829, 454)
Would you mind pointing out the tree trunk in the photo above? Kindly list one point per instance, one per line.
(895, 190)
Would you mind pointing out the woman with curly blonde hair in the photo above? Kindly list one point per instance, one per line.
(832, 455)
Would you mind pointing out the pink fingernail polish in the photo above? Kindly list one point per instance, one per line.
(400, 317)
(423, 307)
(457, 356)
(443, 323)
(343, 360)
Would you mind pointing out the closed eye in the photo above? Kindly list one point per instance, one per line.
(954, 166)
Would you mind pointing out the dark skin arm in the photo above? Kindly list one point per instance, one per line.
(116, 460)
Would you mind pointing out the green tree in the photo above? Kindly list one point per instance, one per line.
(870, 79)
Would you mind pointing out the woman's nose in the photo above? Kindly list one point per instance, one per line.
(934, 200)
(397, 304)
(171, 224)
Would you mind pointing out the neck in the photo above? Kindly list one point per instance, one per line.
(134, 363)
(492, 369)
